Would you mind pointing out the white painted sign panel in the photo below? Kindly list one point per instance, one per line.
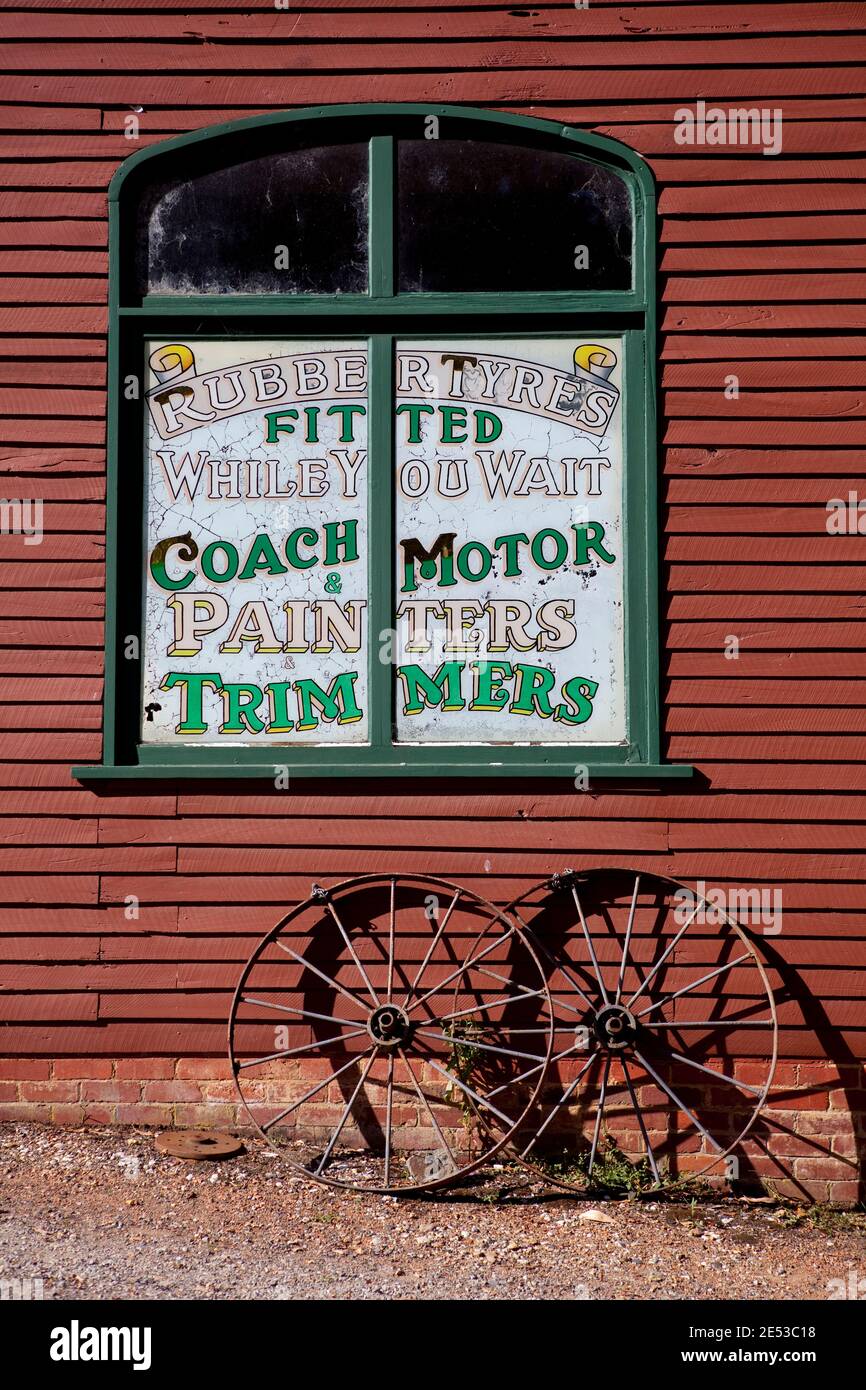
(509, 567)
(256, 594)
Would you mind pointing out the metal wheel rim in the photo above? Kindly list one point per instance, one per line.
(509, 929)
(713, 1162)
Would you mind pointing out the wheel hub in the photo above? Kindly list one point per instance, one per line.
(389, 1026)
(615, 1027)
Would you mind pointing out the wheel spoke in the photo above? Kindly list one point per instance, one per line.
(492, 1004)
(678, 1103)
(589, 945)
(687, 989)
(563, 1099)
(716, 1023)
(306, 1047)
(467, 965)
(643, 1129)
(664, 955)
(320, 1086)
(551, 959)
(300, 1013)
(722, 1076)
(347, 1110)
(432, 947)
(391, 930)
(625, 945)
(598, 1118)
(308, 965)
(557, 1057)
(425, 1102)
(479, 1100)
(526, 991)
(389, 1110)
(353, 953)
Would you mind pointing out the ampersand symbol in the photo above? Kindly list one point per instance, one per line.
(333, 584)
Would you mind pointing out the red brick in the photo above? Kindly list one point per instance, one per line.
(171, 1091)
(17, 1069)
(8, 1091)
(755, 1073)
(49, 1091)
(99, 1114)
(144, 1069)
(227, 1091)
(67, 1114)
(826, 1124)
(791, 1146)
(110, 1090)
(845, 1193)
(814, 1099)
(83, 1068)
(19, 1110)
(204, 1068)
(846, 1146)
(848, 1100)
(144, 1115)
(833, 1169)
(203, 1116)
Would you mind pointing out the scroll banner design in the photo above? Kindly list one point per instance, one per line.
(184, 400)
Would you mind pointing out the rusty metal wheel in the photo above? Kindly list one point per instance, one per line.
(376, 1022)
(666, 1032)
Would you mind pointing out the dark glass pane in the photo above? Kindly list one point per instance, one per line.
(479, 216)
(287, 223)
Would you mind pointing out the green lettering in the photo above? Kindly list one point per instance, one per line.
(337, 702)
(309, 537)
(347, 413)
(533, 685)
(275, 427)
(192, 688)
(262, 556)
(209, 569)
(589, 536)
(340, 536)
(580, 693)
(422, 691)
(414, 409)
(240, 703)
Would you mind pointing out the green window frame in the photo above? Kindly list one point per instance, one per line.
(382, 316)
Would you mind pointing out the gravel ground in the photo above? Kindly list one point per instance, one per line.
(98, 1213)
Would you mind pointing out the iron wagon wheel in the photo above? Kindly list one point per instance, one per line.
(665, 1026)
(354, 1033)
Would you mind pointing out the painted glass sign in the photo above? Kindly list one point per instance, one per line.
(509, 577)
(506, 625)
(256, 595)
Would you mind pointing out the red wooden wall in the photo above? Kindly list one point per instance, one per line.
(762, 262)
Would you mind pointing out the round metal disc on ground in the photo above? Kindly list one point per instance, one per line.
(378, 1020)
(198, 1144)
(665, 1032)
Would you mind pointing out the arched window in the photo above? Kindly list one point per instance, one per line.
(382, 450)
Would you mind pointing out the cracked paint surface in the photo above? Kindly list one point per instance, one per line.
(239, 520)
(594, 589)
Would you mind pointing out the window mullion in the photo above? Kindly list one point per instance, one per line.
(380, 534)
(381, 216)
